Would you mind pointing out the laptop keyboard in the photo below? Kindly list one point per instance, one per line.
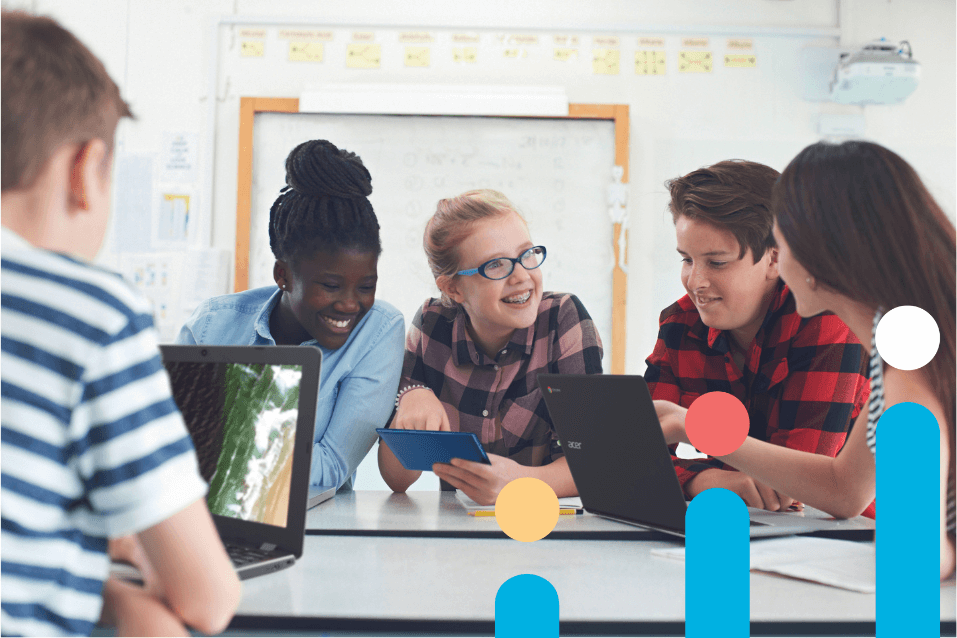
(245, 555)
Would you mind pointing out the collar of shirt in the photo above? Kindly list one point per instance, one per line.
(262, 321)
(717, 339)
(10, 240)
(465, 350)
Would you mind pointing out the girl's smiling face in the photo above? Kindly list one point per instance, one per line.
(496, 308)
(327, 294)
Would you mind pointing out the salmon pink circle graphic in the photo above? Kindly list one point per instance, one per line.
(717, 423)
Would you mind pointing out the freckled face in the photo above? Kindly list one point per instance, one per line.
(497, 308)
(729, 292)
(330, 292)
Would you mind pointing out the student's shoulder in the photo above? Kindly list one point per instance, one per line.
(433, 311)
(681, 312)
(381, 319)
(824, 329)
(247, 302)
(565, 305)
(384, 312)
(95, 295)
(911, 386)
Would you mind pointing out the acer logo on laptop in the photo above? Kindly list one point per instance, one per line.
(575, 445)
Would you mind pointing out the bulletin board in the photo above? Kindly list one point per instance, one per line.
(557, 170)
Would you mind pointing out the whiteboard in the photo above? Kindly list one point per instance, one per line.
(556, 172)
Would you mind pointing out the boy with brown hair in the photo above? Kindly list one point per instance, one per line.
(803, 381)
(93, 447)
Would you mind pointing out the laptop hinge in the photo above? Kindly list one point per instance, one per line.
(267, 547)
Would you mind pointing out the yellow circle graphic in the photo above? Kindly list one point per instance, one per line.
(527, 509)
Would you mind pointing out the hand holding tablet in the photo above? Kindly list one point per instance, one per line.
(420, 449)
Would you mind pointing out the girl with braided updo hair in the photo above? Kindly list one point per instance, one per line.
(325, 237)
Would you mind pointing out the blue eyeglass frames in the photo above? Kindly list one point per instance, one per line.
(502, 267)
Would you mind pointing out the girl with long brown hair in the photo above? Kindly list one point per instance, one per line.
(859, 234)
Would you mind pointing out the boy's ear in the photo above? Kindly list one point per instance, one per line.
(449, 285)
(773, 272)
(87, 173)
(281, 273)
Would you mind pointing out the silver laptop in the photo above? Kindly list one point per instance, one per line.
(620, 461)
(251, 412)
(319, 494)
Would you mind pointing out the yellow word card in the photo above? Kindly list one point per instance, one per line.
(605, 61)
(516, 53)
(417, 56)
(649, 62)
(252, 48)
(564, 55)
(305, 51)
(566, 40)
(465, 54)
(740, 60)
(363, 56)
(695, 62)
(740, 44)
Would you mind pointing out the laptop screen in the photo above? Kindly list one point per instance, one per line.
(242, 418)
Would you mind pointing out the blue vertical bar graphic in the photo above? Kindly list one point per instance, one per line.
(908, 527)
(717, 566)
(526, 606)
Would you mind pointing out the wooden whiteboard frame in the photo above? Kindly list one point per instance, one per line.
(618, 113)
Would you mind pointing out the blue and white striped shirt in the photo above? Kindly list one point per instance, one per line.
(92, 444)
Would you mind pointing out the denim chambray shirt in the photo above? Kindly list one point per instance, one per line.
(357, 383)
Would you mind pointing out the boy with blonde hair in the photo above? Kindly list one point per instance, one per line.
(93, 446)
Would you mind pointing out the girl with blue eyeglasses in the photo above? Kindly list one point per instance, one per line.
(472, 357)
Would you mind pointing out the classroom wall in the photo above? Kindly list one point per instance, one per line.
(159, 52)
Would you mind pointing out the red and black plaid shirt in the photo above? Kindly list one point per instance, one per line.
(803, 384)
(498, 398)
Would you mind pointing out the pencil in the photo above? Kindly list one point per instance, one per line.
(561, 512)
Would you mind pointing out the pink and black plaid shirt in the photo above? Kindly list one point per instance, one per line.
(498, 399)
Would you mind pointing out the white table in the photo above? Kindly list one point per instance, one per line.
(377, 563)
(441, 514)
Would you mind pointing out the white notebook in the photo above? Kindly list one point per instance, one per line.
(844, 564)
(569, 502)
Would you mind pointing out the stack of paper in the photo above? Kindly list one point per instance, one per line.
(844, 564)
(568, 503)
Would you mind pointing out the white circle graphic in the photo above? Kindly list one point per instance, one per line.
(907, 337)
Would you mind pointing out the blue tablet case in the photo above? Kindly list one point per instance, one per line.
(419, 449)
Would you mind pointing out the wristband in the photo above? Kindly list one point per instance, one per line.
(398, 397)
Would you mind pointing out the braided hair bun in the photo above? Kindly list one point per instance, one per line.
(317, 168)
(324, 205)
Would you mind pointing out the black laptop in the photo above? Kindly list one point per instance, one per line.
(618, 457)
(251, 412)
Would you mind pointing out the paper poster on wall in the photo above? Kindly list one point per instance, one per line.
(305, 51)
(417, 56)
(133, 202)
(363, 56)
(157, 277)
(176, 282)
(605, 61)
(465, 54)
(175, 220)
(179, 157)
(695, 62)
